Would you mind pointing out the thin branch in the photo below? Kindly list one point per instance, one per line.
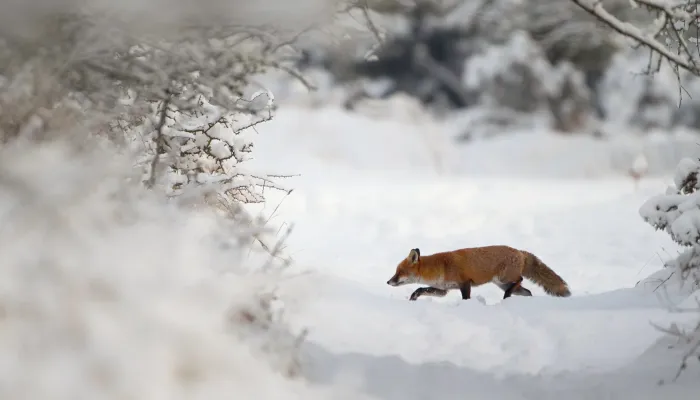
(163, 115)
(370, 24)
(310, 86)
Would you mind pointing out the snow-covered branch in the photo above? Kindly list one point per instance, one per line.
(672, 20)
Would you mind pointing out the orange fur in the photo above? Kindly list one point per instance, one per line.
(469, 267)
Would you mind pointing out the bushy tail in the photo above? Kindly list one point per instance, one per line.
(538, 272)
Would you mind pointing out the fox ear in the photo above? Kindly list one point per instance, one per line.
(414, 255)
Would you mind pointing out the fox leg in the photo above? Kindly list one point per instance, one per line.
(428, 291)
(466, 290)
(514, 288)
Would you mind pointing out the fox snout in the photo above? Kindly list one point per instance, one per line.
(396, 280)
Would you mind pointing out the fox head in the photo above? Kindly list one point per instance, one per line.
(407, 270)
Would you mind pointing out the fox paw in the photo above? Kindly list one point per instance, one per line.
(414, 296)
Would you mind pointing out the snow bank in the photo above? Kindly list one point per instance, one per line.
(396, 349)
(398, 136)
(109, 293)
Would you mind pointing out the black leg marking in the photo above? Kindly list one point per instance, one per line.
(466, 290)
(521, 291)
(427, 291)
(513, 287)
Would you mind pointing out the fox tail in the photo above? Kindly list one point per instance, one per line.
(542, 275)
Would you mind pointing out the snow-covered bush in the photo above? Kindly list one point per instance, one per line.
(203, 147)
(517, 76)
(631, 98)
(678, 213)
(182, 98)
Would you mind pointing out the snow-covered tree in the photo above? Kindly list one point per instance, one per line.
(678, 213)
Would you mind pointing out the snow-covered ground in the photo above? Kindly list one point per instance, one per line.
(372, 188)
(110, 292)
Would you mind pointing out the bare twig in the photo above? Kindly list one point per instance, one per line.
(160, 143)
(310, 86)
(370, 24)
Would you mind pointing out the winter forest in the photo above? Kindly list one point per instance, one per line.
(207, 200)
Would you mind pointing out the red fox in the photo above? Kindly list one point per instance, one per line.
(466, 268)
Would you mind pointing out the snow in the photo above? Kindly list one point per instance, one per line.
(678, 211)
(219, 149)
(371, 188)
(142, 287)
(519, 49)
(686, 166)
(640, 164)
(109, 293)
